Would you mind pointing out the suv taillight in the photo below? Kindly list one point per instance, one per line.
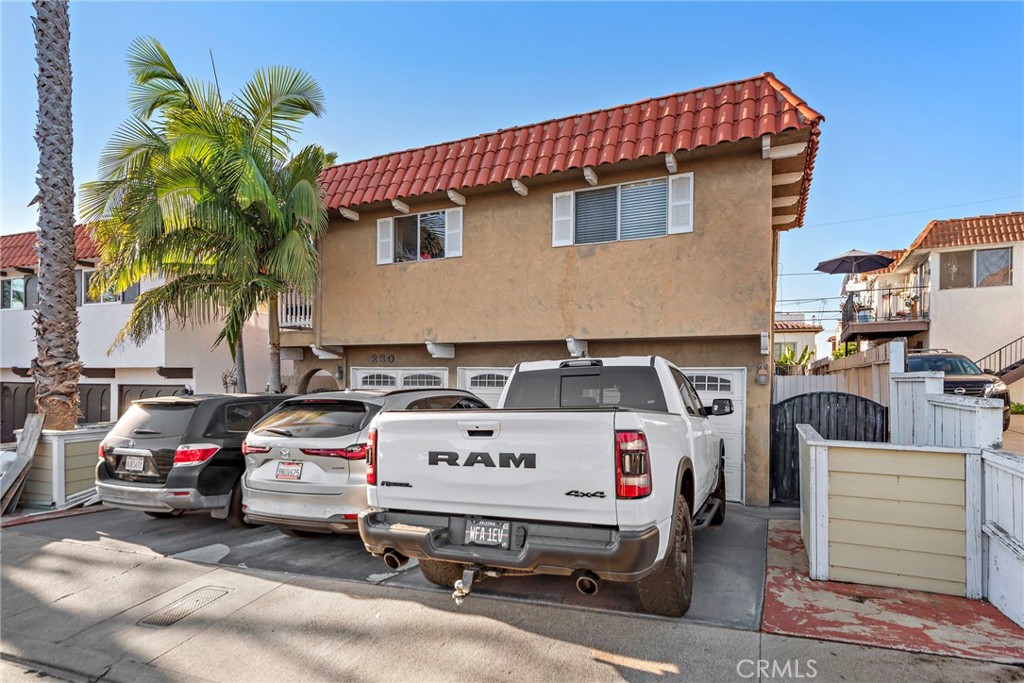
(194, 454)
(632, 465)
(371, 458)
(249, 450)
(103, 453)
(354, 452)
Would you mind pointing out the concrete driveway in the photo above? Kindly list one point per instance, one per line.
(728, 571)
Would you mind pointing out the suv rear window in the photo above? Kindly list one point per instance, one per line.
(624, 387)
(317, 419)
(163, 419)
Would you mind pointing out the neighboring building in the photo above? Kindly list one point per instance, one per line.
(649, 228)
(792, 331)
(168, 362)
(959, 286)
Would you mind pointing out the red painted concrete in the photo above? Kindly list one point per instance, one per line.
(880, 617)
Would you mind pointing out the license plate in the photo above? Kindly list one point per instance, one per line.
(134, 463)
(487, 532)
(289, 470)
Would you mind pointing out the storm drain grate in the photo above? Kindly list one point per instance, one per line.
(181, 608)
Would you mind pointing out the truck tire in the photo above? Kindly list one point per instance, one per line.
(443, 574)
(668, 590)
(719, 493)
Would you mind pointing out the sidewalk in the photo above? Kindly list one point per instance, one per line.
(76, 608)
(1013, 438)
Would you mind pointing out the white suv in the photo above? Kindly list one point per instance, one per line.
(305, 462)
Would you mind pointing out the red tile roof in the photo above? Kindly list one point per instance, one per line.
(18, 250)
(894, 254)
(792, 326)
(681, 122)
(964, 232)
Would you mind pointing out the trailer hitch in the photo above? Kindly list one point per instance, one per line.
(464, 585)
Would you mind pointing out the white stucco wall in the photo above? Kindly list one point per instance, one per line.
(978, 320)
(193, 347)
(801, 339)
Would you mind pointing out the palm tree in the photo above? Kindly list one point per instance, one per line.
(202, 193)
(56, 367)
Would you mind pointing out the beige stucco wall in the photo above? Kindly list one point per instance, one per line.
(897, 518)
(512, 285)
(718, 352)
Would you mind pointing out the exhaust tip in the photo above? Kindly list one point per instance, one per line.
(394, 559)
(588, 584)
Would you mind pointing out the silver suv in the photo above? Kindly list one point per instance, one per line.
(305, 462)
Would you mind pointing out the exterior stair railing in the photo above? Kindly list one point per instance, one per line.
(1007, 362)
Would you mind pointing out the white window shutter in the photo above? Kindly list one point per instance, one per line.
(562, 219)
(385, 240)
(453, 232)
(680, 203)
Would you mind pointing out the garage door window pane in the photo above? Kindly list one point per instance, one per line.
(488, 381)
(422, 380)
(378, 380)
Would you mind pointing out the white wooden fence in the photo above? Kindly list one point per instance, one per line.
(866, 373)
(1003, 529)
(921, 415)
(788, 386)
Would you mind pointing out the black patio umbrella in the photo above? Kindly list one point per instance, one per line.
(854, 261)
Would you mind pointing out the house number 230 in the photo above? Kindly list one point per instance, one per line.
(382, 358)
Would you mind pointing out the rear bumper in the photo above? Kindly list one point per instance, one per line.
(539, 548)
(308, 512)
(151, 498)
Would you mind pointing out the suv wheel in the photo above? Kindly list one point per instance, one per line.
(443, 574)
(667, 591)
(165, 515)
(236, 517)
(299, 533)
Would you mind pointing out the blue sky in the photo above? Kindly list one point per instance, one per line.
(924, 102)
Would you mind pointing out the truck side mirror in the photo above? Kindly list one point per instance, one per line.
(721, 406)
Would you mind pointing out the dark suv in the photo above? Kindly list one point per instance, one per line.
(172, 454)
(963, 377)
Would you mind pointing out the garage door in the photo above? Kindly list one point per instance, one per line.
(712, 383)
(487, 383)
(399, 378)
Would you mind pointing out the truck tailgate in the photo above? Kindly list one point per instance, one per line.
(546, 465)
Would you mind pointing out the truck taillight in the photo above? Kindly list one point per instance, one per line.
(632, 465)
(354, 452)
(248, 449)
(103, 453)
(371, 458)
(194, 454)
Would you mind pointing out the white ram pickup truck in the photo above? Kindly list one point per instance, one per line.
(589, 468)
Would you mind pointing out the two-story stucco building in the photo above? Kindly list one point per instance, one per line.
(169, 361)
(648, 228)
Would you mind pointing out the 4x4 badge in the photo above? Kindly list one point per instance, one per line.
(585, 494)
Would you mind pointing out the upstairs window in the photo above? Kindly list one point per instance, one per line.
(83, 279)
(975, 268)
(19, 292)
(420, 237)
(648, 208)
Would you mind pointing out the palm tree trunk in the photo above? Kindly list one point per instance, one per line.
(274, 334)
(241, 386)
(56, 367)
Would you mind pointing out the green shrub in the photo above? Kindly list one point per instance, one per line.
(1017, 408)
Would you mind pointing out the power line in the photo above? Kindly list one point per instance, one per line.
(909, 213)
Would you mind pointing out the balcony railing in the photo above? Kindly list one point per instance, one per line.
(295, 311)
(897, 304)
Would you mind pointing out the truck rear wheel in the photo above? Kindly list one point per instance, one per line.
(443, 574)
(719, 493)
(668, 590)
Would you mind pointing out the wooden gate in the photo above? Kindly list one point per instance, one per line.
(835, 416)
(18, 399)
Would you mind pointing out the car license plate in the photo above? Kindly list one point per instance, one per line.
(487, 532)
(134, 463)
(289, 470)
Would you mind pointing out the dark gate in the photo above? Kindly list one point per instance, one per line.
(844, 417)
(18, 399)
